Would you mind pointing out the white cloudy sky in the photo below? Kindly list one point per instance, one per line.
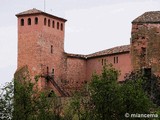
(92, 25)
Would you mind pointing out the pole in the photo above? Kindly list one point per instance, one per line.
(44, 5)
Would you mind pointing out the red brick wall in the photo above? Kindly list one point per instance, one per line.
(145, 46)
(123, 65)
(76, 71)
(34, 47)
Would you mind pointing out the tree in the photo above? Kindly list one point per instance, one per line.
(109, 100)
(6, 101)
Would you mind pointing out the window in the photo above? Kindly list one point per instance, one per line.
(143, 51)
(36, 20)
(48, 22)
(105, 62)
(102, 61)
(51, 48)
(53, 72)
(29, 21)
(57, 25)
(53, 24)
(22, 22)
(45, 21)
(61, 26)
(47, 70)
(116, 59)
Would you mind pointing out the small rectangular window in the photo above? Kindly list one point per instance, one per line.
(114, 59)
(102, 61)
(51, 48)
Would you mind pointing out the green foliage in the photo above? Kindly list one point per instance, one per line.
(106, 99)
(6, 101)
(109, 100)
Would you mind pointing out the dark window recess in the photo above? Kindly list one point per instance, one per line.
(51, 48)
(61, 26)
(53, 72)
(45, 21)
(116, 59)
(105, 62)
(143, 37)
(29, 21)
(143, 51)
(36, 20)
(49, 23)
(57, 25)
(53, 24)
(22, 22)
(47, 70)
(102, 61)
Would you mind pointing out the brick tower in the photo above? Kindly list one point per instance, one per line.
(41, 47)
(145, 42)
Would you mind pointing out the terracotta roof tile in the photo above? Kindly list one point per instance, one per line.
(36, 11)
(31, 11)
(115, 50)
(148, 17)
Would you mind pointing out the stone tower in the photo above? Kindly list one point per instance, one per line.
(41, 45)
(145, 42)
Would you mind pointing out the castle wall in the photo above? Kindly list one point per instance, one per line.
(76, 72)
(145, 46)
(121, 62)
(41, 47)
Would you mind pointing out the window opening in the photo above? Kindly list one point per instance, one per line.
(47, 70)
(36, 20)
(61, 26)
(116, 59)
(102, 61)
(48, 22)
(29, 21)
(57, 25)
(45, 21)
(53, 24)
(51, 48)
(22, 22)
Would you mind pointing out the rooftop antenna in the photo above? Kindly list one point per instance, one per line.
(44, 5)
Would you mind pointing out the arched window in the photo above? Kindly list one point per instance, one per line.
(53, 24)
(57, 25)
(22, 22)
(45, 21)
(29, 21)
(49, 23)
(36, 20)
(61, 26)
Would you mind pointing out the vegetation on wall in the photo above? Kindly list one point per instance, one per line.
(105, 99)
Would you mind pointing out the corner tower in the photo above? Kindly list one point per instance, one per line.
(145, 42)
(41, 44)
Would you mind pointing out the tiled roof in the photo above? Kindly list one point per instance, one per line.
(76, 55)
(36, 11)
(115, 50)
(148, 17)
(31, 11)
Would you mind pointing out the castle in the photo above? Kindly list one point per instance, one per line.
(41, 49)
